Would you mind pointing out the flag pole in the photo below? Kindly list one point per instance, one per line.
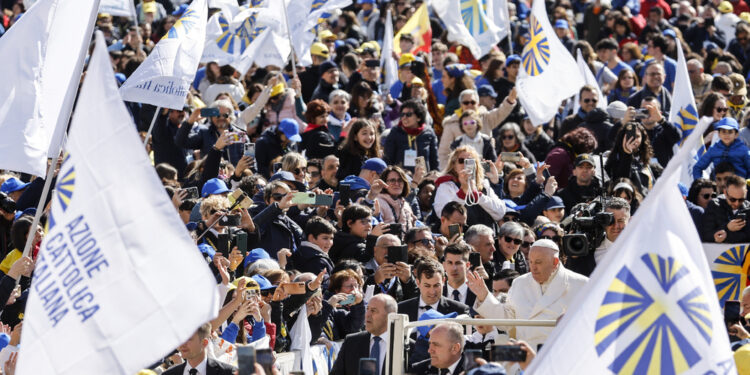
(61, 129)
(151, 127)
(289, 35)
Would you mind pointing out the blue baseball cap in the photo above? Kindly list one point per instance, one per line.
(561, 24)
(456, 70)
(725, 123)
(214, 186)
(429, 315)
(178, 12)
(263, 283)
(554, 202)
(207, 250)
(13, 184)
(375, 164)
(487, 90)
(290, 128)
(488, 369)
(670, 33)
(254, 255)
(366, 1)
(512, 59)
(683, 189)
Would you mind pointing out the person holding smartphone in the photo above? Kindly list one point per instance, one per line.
(394, 208)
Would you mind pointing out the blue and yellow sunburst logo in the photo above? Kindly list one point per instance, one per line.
(687, 119)
(257, 3)
(470, 12)
(243, 36)
(65, 184)
(640, 326)
(183, 25)
(536, 54)
(317, 4)
(730, 273)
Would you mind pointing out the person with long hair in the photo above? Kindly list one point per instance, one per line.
(458, 183)
(626, 85)
(361, 94)
(510, 138)
(630, 157)
(701, 192)
(456, 79)
(362, 142)
(471, 124)
(560, 159)
(624, 188)
(394, 208)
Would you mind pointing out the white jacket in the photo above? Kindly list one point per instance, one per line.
(448, 191)
(526, 301)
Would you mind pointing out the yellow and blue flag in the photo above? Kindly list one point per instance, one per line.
(650, 306)
(467, 23)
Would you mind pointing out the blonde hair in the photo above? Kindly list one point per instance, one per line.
(214, 202)
(450, 171)
(291, 161)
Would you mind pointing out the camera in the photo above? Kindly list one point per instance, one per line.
(586, 225)
(7, 204)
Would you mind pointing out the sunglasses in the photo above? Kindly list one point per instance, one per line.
(215, 211)
(553, 238)
(407, 114)
(590, 100)
(472, 122)
(509, 137)
(506, 219)
(425, 241)
(735, 200)
(526, 244)
(708, 195)
(721, 109)
(395, 181)
(515, 241)
(469, 102)
(277, 196)
(299, 170)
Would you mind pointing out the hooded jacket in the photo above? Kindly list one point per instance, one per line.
(597, 121)
(736, 153)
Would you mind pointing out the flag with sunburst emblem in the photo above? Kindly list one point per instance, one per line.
(164, 78)
(548, 73)
(650, 306)
(468, 24)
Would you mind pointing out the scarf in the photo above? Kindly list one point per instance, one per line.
(412, 131)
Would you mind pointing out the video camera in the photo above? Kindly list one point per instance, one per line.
(586, 225)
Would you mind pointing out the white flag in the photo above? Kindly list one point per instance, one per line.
(164, 78)
(468, 25)
(684, 113)
(303, 16)
(387, 62)
(497, 12)
(548, 73)
(118, 281)
(301, 337)
(588, 76)
(650, 307)
(42, 59)
(120, 8)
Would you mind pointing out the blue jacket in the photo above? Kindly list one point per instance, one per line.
(203, 137)
(737, 153)
(425, 144)
(277, 231)
(355, 182)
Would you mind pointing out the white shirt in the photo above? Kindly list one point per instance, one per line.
(201, 367)
(452, 368)
(462, 292)
(383, 348)
(602, 250)
(421, 310)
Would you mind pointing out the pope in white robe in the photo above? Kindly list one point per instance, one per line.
(542, 294)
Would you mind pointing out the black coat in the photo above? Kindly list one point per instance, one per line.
(574, 193)
(307, 259)
(598, 122)
(470, 296)
(213, 367)
(425, 368)
(349, 246)
(349, 164)
(267, 148)
(398, 290)
(317, 143)
(355, 346)
(426, 145)
(277, 230)
(717, 215)
(445, 306)
(166, 150)
(539, 145)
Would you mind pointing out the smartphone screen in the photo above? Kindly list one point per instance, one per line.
(265, 359)
(246, 360)
(210, 112)
(507, 353)
(241, 241)
(453, 230)
(470, 356)
(732, 311)
(368, 366)
(475, 259)
(250, 149)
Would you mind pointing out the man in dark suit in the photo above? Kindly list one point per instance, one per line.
(393, 278)
(446, 351)
(456, 263)
(372, 343)
(430, 283)
(193, 351)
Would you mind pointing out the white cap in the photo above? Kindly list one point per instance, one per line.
(546, 243)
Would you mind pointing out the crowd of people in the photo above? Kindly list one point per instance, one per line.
(332, 194)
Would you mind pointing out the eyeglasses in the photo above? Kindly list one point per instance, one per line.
(224, 115)
(708, 195)
(299, 170)
(472, 122)
(407, 114)
(509, 239)
(721, 109)
(469, 102)
(215, 211)
(277, 196)
(590, 100)
(509, 137)
(506, 219)
(526, 244)
(735, 200)
(424, 241)
(553, 238)
(395, 181)
(693, 71)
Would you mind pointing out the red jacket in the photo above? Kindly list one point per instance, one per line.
(646, 5)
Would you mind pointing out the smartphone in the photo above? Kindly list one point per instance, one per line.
(512, 157)
(246, 360)
(240, 240)
(239, 195)
(507, 353)
(276, 167)
(470, 356)
(420, 161)
(741, 215)
(368, 366)
(453, 230)
(323, 200)
(210, 112)
(546, 174)
(350, 298)
(486, 166)
(396, 228)
(708, 22)
(250, 150)
(294, 288)
(640, 114)
(303, 198)
(265, 359)
(192, 192)
(222, 244)
(230, 220)
(475, 259)
(345, 195)
(398, 254)
(731, 312)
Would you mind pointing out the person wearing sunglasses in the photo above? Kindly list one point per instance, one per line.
(470, 124)
(296, 164)
(701, 192)
(725, 218)
(203, 137)
(588, 97)
(729, 149)
(490, 119)
(412, 138)
(277, 229)
(511, 235)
